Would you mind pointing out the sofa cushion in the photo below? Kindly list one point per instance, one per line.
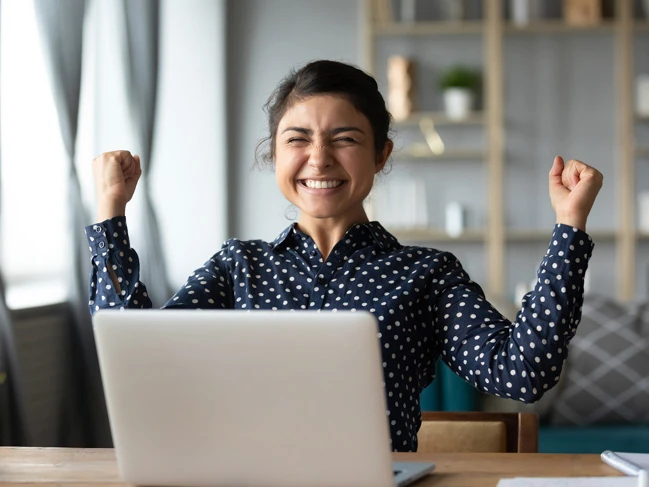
(606, 374)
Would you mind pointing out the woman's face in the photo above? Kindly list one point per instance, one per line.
(325, 159)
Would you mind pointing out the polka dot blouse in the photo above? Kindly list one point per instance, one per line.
(426, 305)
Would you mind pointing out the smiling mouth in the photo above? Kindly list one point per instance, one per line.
(320, 184)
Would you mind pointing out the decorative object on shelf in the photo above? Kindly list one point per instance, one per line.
(643, 211)
(401, 203)
(642, 95)
(452, 10)
(459, 85)
(383, 11)
(582, 13)
(522, 12)
(400, 87)
(454, 223)
(408, 10)
(430, 133)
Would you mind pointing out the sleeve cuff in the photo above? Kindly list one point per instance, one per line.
(107, 235)
(569, 245)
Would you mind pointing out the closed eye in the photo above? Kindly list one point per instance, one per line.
(349, 140)
(295, 139)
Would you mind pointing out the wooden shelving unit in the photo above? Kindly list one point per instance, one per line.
(544, 235)
(440, 119)
(451, 155)
(493, 31)
(557, 27)
(429, 28)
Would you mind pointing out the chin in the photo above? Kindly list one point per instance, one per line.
(320, 213)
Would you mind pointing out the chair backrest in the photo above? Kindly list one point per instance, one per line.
(478, 432)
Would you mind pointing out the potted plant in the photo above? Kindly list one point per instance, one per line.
(459, 85)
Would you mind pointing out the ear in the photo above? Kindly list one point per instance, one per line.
(384, 155)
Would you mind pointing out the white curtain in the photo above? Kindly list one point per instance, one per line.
(62, 24)
(142, 22)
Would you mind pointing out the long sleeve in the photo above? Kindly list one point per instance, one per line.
(210, 286)
(520, 359)
(110, 248)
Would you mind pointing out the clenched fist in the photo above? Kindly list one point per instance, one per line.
(116, 175)
(573, 188)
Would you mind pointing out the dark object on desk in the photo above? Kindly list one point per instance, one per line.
(478, 432)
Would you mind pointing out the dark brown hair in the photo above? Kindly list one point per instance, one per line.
(321, 78)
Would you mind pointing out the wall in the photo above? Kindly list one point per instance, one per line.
(265, 40)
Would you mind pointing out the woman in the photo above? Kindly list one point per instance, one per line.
(328, 139)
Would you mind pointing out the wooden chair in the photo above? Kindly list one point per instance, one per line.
(478, 432)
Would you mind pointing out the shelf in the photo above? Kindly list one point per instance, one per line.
(430, 28)
(558, 27)
(440, 118)
(545, 235)
(641, 235)
(642, 152)
(551, 26)
(426, 234)
(452, 155)
(641, 118)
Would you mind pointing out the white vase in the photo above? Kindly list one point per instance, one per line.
(642, 95)
(458, 103)
(524, 11)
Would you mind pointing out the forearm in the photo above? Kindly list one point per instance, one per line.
(114, 281)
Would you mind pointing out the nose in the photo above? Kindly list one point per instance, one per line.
(320, 157)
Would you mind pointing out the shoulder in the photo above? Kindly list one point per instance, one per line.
(424, 254)
(234, 248)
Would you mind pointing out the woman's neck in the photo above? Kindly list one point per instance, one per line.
(327, 232)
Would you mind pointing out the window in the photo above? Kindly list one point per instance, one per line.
(33, 184)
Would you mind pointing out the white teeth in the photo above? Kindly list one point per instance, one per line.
(322, 184)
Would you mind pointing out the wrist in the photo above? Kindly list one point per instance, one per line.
(572, 221)
(110, 209)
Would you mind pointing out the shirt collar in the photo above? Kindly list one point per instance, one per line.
(384, 239)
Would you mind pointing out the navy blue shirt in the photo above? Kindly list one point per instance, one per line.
(426, 305)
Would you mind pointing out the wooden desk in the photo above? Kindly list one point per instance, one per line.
(20, 467)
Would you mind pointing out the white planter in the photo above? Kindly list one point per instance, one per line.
(458, 103)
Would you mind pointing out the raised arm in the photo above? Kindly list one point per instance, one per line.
(523, 359)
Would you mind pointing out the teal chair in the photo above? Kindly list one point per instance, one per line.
(448, 392)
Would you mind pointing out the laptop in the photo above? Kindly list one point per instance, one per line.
(247, 398)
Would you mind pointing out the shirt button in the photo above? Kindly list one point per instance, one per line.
(102, 245)
(337, 252)
(97, 228)
(321, 280)
(314, 253)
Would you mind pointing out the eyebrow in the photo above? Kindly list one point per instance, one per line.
(337, 130)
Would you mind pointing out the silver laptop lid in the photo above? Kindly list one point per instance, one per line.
(245, 398)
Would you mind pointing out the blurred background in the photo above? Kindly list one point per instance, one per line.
(484, 94)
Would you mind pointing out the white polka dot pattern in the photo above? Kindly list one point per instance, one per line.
(427, 307)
